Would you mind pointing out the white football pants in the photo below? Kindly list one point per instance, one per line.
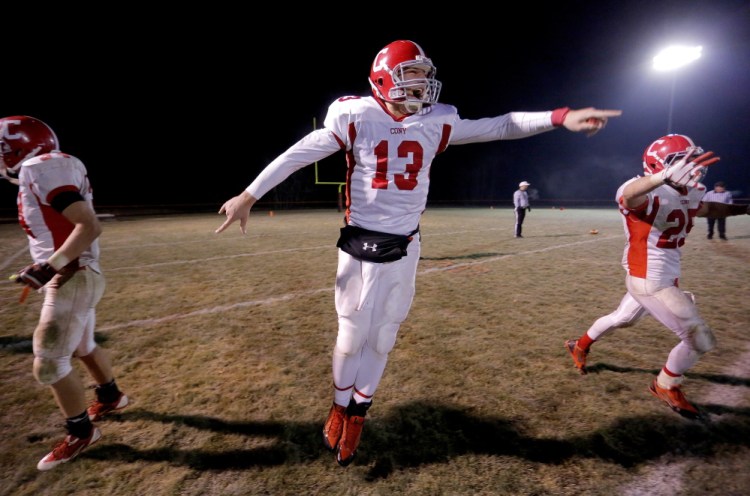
(671, 307)
(66, 324)
(372, 300)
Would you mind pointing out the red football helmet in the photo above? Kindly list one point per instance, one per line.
(666, 151)
(388, 81)
(23, 137)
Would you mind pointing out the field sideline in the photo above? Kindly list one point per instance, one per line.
(224, 342)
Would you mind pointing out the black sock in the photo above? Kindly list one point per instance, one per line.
(358, 409)
(107, 393)
(79, 426)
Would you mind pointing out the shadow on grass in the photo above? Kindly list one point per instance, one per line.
(419, 434)
(16, 344)
(715, 378)
(23, 344)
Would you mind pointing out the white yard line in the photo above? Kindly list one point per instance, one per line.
(226, 257)
(509, 255)
(212, 310)
(6, 263)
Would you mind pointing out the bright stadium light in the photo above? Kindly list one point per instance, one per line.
(670, 59)
(675, 57)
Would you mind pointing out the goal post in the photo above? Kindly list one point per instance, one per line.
(340, 202)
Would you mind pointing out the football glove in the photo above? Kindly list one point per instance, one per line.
(528, 209)
(35, 275)
(688, 171)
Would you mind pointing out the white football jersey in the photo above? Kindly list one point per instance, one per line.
(389, 159)
(656, 232)
(41, 179)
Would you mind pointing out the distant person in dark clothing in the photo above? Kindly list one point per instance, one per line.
(521, 205)
(719, 195)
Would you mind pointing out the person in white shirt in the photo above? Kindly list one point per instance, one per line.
(389, 140)
(520, 206)
(721, 195)
(55, 209)
(657, 210)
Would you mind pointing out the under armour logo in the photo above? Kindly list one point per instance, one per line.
(367, 246)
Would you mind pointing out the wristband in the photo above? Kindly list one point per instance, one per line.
(558, 116)
(57, 261)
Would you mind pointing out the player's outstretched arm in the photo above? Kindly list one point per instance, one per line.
(237, 208)
(589, 120)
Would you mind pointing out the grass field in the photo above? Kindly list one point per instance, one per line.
(224, 344)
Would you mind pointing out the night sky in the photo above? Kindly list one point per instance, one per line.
(188, 108)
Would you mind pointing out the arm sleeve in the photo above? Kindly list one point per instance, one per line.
(514, 125)
(317, 145)
(62, 199)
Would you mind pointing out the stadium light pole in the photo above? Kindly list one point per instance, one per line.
(671, 59)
